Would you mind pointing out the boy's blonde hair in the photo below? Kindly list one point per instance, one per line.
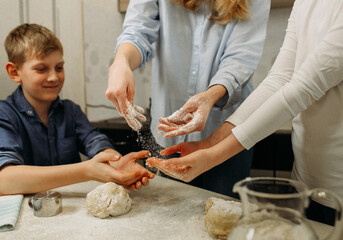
(221, 11)
(28, 40)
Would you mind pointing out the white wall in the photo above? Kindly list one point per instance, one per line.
(88, 30)
(102, 26)
(276, 27)
(9, 18)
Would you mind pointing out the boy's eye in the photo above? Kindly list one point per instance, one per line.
(42, 69)
(59, 68)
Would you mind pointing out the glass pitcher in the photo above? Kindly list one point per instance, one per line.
(273, 209)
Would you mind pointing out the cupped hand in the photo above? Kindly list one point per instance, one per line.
(128, 164)
(190, 118)
(109, 167)
(184, 168)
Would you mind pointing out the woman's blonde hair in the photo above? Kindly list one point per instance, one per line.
(28, 40)
(221, 11)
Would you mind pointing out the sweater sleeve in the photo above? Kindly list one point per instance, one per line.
(286, 92)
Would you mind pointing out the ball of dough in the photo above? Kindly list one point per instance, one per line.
(107, 200)
(220, 216)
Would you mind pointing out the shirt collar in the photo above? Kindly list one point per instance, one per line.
(19, 100)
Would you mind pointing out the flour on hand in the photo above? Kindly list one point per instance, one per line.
(134, 116)
(107, 200)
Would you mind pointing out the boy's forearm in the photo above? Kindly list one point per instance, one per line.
(22, 179)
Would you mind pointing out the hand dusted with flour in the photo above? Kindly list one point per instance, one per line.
(134, 116)
(191, 117)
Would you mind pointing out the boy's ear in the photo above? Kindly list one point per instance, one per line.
(12, 71)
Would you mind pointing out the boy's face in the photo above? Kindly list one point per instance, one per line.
(42, 79)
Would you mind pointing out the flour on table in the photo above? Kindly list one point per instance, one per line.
(107, 200)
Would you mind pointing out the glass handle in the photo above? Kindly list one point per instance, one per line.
(323, 195)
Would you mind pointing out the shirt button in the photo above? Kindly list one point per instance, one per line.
(29, 112)
(194, 72)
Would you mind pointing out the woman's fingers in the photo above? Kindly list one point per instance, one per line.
(138, 109)
(170, 167)
(166, 128)
(170, 150)
(140, 117)
(133, 115)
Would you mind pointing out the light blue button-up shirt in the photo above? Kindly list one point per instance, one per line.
(191, 54)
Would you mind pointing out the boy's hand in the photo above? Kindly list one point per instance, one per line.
(125, 171)
(128, 163)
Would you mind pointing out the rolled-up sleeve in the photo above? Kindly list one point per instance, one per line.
(10, 158)
(141, 30)
(243, 52)
(288, 90)
(11, 144)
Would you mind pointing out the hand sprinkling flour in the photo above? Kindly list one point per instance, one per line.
(190, 118)
(134, 116)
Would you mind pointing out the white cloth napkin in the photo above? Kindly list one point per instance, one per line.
(9, 211)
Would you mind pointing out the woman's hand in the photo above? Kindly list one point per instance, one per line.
(121, 85)
(190, 118)
(183, 148)
(110, 167)
(198, 157)
(134, 116)
(193, 115)
(184, 168)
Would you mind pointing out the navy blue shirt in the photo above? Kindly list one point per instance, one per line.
(24, 139)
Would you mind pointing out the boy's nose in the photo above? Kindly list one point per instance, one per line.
(53, 76)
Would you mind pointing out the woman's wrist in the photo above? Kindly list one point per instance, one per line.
(220, 134)
(214, 93)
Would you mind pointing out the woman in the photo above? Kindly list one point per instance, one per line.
(304, 85)
(203, 52)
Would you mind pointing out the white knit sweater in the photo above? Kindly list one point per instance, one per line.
(305, 84)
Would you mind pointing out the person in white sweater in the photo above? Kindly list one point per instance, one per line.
(305, 85)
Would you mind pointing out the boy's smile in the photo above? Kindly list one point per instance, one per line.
(42, 78)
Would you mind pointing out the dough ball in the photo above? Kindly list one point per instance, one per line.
(107, 200)
(220, 216)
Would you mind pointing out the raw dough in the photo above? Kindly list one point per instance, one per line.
(221, 215)
(107, 200)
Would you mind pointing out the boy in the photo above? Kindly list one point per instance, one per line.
(41, 136)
